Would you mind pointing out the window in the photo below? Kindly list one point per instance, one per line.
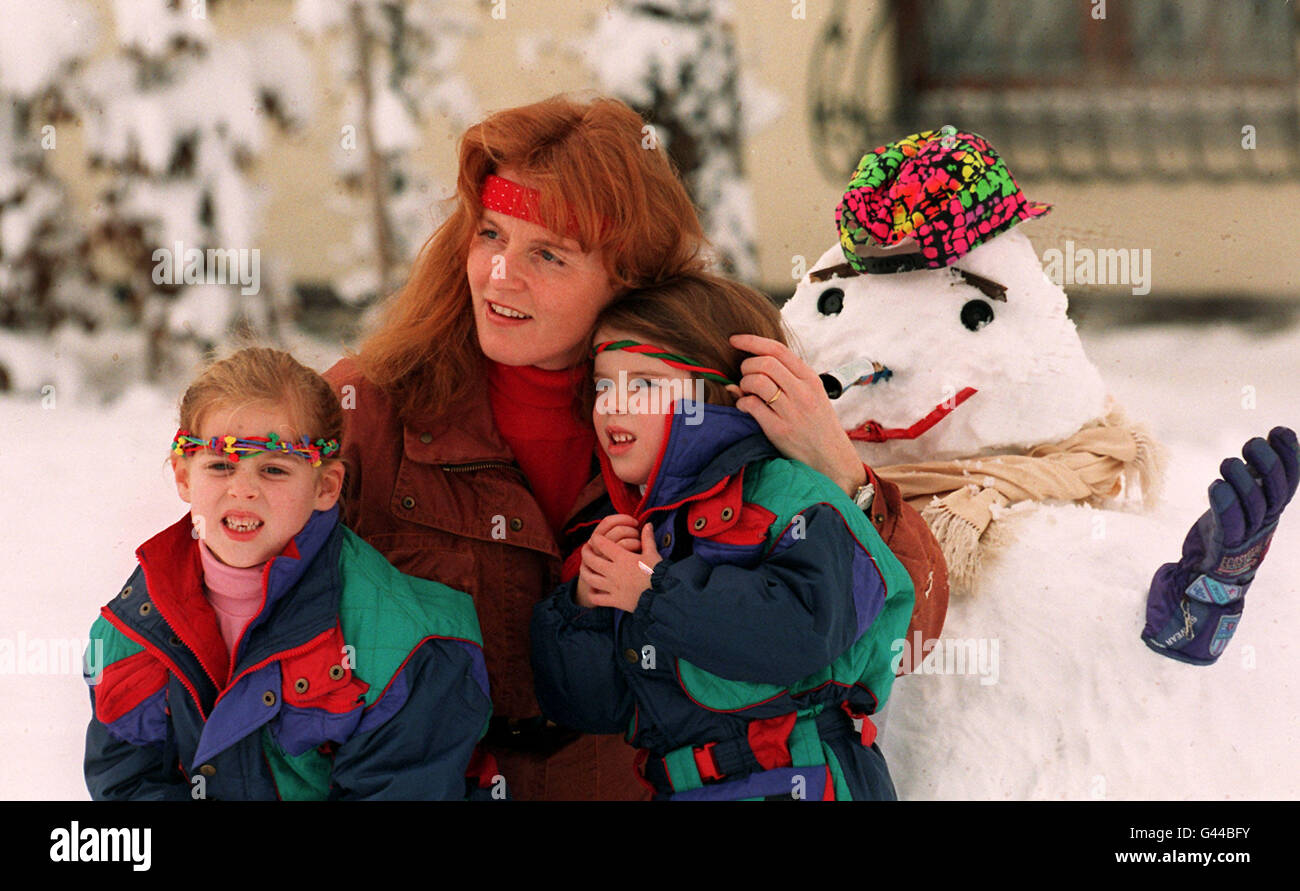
(1168, 89)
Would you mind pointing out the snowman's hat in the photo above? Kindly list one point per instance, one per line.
(926, 200)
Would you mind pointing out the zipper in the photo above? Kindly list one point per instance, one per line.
(239, 642)
(484, 465)
(479, 465)
(120, 624)
(215, 685)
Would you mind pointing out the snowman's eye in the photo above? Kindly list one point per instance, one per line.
(976, 314)
(830, 302)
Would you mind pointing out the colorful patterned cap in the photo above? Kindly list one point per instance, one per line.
(947, 191)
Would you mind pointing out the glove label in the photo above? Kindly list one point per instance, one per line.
(1247, 560)
(1223, 633)
(1211, 590)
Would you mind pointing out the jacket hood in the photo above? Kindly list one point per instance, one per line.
(705, 445)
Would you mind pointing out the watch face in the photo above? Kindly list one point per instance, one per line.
(865, 496)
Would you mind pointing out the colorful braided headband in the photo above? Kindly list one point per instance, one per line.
(184, 442)
(672, 359)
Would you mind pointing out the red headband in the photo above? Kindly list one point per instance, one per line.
(521, 202)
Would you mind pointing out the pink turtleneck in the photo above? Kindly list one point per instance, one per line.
(534, 413)
(234, 592)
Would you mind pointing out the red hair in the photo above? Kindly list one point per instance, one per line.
(601, 177)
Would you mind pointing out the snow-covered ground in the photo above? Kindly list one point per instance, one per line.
(82, 485)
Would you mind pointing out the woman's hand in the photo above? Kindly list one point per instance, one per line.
(618, 576)
(786, 397)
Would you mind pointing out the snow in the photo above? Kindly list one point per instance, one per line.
(679, 67)
(19, 224)
(153, 26)
(318, 16)
(37, 40)
(202, 311)
(1080, 709)
(152, 122)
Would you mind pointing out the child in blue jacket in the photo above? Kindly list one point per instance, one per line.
(262, 650)
(732, 612)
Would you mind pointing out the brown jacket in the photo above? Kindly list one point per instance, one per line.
(447, 502)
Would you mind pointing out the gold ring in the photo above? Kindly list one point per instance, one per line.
(775, 397)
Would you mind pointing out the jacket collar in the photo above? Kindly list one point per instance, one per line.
(463, 434)
(694, 460)
(173, 575)
(467, 434)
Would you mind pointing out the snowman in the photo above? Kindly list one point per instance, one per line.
(955, 369)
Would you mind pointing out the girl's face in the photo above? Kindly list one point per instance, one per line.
(634, 398)
(270, 495)
(535, 294)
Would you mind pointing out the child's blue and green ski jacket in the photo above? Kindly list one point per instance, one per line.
(766, 628)
(353, 681)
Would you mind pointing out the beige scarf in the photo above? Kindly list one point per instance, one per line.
(957, 498)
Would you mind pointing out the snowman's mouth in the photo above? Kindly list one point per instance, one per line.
(871, 431)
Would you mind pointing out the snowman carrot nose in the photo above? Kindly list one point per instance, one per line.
(862, 373)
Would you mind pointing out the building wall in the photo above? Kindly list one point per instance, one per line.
(1204, 239)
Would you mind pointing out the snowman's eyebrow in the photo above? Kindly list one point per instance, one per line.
(985, 286)
(844, 270)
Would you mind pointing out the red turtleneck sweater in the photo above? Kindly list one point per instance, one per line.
(534, 412)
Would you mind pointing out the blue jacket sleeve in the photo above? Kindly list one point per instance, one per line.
(135, 759)
(578, 681)
(421, 751)
(116, 770)
(786, 618)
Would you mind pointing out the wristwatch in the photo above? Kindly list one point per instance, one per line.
(865, 496)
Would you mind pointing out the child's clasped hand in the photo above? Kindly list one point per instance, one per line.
(616, 564)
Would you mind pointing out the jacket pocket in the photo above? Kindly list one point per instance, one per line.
(323, 699)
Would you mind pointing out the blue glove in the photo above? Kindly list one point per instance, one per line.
(1194, 605)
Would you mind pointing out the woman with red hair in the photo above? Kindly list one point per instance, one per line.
(468, 444)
